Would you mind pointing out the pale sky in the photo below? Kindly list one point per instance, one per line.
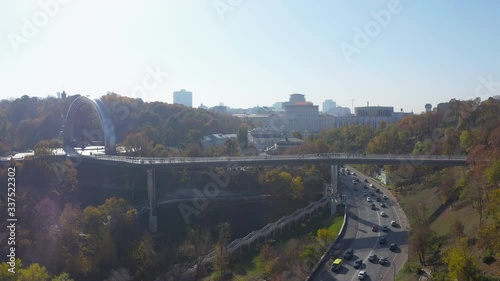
(253, 53)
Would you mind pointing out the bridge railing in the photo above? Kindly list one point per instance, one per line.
(157, 160)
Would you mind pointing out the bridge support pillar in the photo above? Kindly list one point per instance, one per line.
(335, 185)
(153, 219)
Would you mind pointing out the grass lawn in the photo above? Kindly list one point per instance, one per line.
(252, 265)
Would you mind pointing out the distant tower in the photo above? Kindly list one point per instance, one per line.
(428, 107)
(329, 105)
(63, 95)
(58, 94)
(183, 97)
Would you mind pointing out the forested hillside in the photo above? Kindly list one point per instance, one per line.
(28, 120)
(467, 246)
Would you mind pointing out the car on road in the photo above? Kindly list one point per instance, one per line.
(357, 263)
(361, 275)
(375, 228)
(353, 173)
(337, 264)
(366, 180)
(393, 247)
(371, 184)
(385, 197)
(348, 254)
(353, 181)
(382, 240)
(378, 199)
(383, 214)
(385, 228)
(373, 207)
(372, 194)
(357, 179)
(394, 223)
(365, 193)
(348, 173)
(372, 257)
(383, 205)
(365, 187)
(369, 199)
(383, 261)
(378, 190)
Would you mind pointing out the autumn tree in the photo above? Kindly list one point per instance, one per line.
(34, 272)
(138, 144)
(461, 264)
(279, 182)
(221, 254)
(297, 188)
(143, 257)
(325, 237)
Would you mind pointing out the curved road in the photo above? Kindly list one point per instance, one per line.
(360, 237)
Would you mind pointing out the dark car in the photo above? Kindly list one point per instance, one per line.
(378, 190)
(393, 247)
(357, 263)
(383, 261)
(383, 205)
(374, 208)
(375, 228)
(348, 254)
(365, 180)
(382, 240)
(365, 187)
(378, 199)
(372, 257)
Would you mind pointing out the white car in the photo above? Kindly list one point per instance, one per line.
(383, 214)
(394, 223)
(371, 184)
(369, 199)
(361, 275)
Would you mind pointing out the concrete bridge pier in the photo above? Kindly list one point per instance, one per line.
(153, 219)
(335, 185)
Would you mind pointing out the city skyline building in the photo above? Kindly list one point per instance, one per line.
(183, 97)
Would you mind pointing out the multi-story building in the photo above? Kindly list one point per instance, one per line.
(183, 97)
(328, 105)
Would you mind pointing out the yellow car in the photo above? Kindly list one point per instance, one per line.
(337, 264)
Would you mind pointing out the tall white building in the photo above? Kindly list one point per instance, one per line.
(183, 97)
(328, 105)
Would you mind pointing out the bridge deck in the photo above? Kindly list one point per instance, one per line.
(338, 159)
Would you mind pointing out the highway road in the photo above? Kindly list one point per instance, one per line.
(360, 237)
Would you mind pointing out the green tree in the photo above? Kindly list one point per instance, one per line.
(6, 275)
(62, 277)
(325, 237)
(33, 273)
(313, 180)
(279, 182)
(143, 257)
(466, 141)
(493, 173)
(297, 188)
(461, 264)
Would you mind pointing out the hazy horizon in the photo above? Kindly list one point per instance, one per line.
(389, 53)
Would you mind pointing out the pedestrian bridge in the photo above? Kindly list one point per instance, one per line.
(267, 160)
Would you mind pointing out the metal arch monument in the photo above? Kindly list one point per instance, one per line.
(108, 128)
